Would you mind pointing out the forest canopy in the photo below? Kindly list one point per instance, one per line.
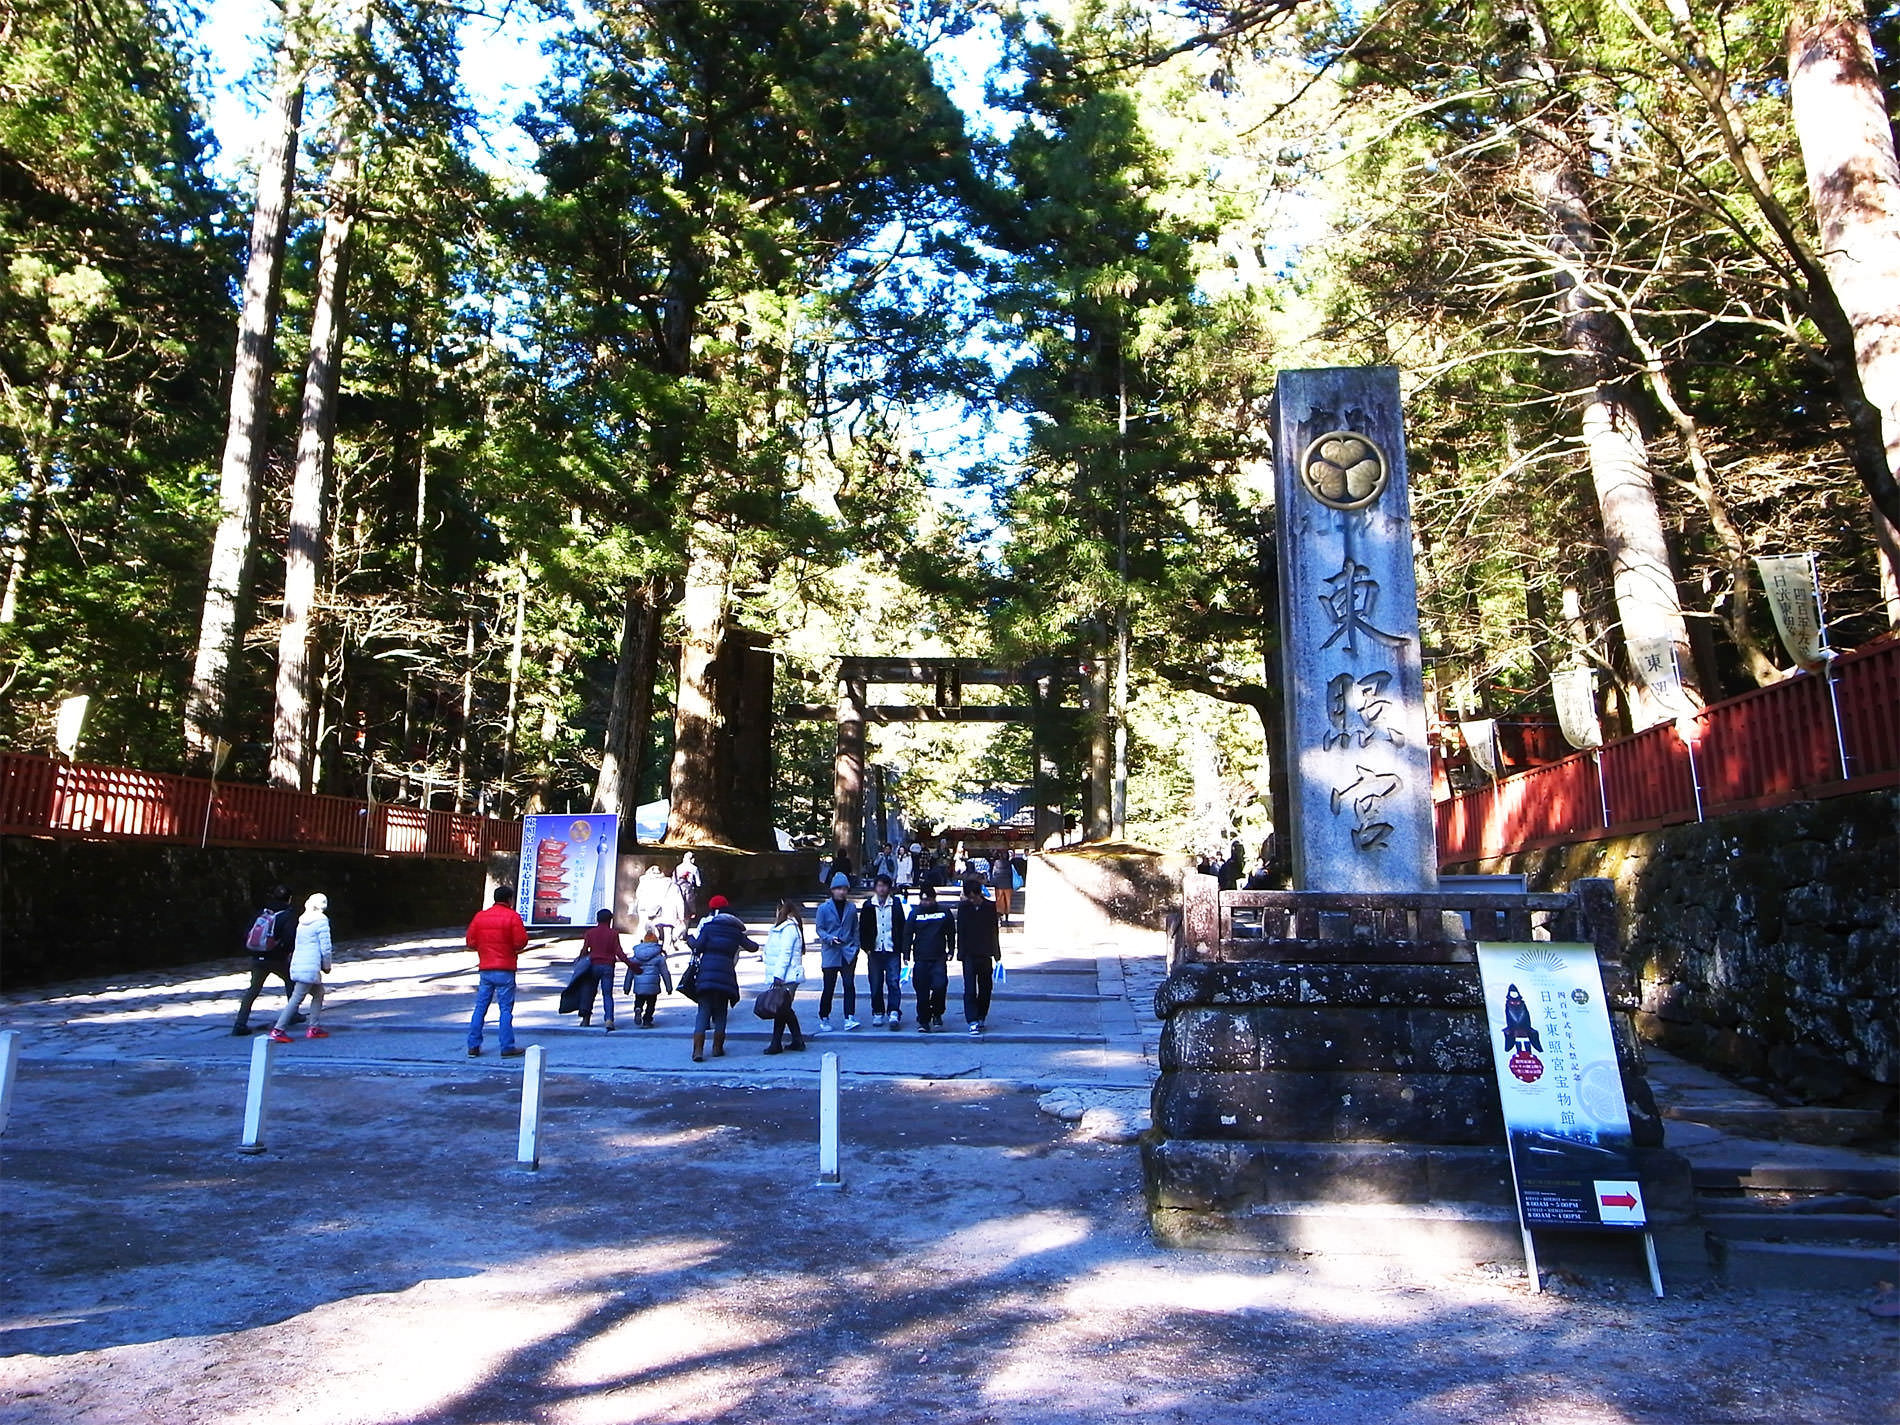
(395, 469)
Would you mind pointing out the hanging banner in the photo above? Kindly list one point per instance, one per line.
(567, 868)
(1574, 690)
(1569, 1127)
(72, 717)
(1656, 666)
(1794, 597)
(1481, 741)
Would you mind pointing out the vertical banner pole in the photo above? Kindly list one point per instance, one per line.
(533, 1077)
(1530, 1261)
(1603, 792)
(257, 1095)
(828, 1122)
(9, 1070)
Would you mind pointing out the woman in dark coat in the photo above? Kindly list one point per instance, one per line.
(716, 943)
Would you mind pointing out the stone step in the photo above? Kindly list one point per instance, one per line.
(1825, 1126)
(1872, 1228)
(1803, 1266)
(1874, 1180)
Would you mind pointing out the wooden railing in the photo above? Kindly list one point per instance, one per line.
(40, 796)
(1773, 745)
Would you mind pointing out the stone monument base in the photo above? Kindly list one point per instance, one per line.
(1346, 1108)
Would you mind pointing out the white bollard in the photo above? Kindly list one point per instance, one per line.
(828, 1122)
(9, 1066)
(257, 1096)
(533, 1074)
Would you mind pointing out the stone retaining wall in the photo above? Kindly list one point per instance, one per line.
(1762, 944)
(72, 907)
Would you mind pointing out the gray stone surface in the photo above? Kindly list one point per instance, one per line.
(1361, 818)
(1764, 943)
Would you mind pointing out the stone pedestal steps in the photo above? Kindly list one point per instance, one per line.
(1802, 1229)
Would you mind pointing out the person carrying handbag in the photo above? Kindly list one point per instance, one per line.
(785, 965)
(715, 974)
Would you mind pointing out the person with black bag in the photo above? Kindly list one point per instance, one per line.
(269, 941)
(714, 973)
(785, 967)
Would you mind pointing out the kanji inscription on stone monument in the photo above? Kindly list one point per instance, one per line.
(1355, 703)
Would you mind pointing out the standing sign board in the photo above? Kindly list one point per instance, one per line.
(1568, 1123)
(567, 868)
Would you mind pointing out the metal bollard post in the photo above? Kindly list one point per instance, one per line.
(533, 1074)
(828, 1122)
(9, 1067)
(257, 1096)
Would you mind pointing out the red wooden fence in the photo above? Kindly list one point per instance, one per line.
(1772, 745)
(40, 796)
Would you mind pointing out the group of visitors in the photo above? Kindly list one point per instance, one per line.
(899, 942)
(292, 948)
(889, 935)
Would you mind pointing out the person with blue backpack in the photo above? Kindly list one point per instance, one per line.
(269, 940)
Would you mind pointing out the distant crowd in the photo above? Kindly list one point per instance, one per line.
(905, 934)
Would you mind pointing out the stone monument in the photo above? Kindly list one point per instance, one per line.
(1361, 818)
(1325, 1075)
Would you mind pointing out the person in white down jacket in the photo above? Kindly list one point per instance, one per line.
(309, 963)
(785, 964)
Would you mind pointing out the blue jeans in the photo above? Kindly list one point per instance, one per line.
(886, 972)
(498, 986)
(604, 979)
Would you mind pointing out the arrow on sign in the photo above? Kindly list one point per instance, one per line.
(1621, 1199)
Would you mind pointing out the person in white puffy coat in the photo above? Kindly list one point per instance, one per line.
(785, 965)
(309, 963)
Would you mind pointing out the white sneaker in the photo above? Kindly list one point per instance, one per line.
(895, 1020)
(976, 1028)
(850, 1023)
(824, 1026)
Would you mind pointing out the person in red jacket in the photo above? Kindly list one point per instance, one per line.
(497, 937)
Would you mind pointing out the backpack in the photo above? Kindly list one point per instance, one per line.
(263, 934)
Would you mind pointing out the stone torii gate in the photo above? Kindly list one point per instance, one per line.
(1046, 680)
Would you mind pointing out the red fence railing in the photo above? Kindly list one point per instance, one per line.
(1775, 744)
(41, 796)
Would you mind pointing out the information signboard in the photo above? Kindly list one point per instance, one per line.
(567, 868)
(1563, 1095)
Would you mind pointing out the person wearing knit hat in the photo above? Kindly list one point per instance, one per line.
(837, 925)
(717, 903)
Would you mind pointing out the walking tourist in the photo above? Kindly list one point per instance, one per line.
(269, 942)
(602, 945)
(716, 942)
(644, 979)
(497, 937)
(979, 948)
(657, 902)
(785, 965)
(837, 926)
(686, 877)
(904, 870)
(309, 963)
(1002, 878)
(885, 940)
(933, 939)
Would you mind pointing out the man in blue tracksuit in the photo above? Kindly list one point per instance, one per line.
(933, 940)
(884, 936)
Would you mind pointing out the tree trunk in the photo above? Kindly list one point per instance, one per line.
(1643, 582)
(18, 557)
(696, 817)
(618, 788)
(246, 429)
(512, 713)
(303, 555)
(1847, 146)
(1100, 823)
